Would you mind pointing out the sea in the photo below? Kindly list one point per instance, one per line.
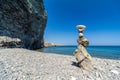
(108, 52)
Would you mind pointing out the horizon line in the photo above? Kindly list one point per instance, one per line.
(90, 45)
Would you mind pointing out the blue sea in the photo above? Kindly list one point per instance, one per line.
(109, 52)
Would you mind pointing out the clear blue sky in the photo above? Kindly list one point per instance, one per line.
(102, 18)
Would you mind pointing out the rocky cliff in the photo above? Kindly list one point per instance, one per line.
(22, 23)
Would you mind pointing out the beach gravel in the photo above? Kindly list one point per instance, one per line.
(22, 64)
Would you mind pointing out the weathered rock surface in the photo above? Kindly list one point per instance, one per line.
(24, 20)
(82, 56)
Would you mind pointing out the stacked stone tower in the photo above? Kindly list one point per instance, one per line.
(82, 56)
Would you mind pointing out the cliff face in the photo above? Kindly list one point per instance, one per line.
(22, 23)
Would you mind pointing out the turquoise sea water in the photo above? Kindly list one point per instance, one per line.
(111, 52)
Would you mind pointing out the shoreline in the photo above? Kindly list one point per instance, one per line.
(106, 52)
(27, 64)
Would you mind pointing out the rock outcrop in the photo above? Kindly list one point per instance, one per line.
(24, 20)
(82, 56)
(47, 44)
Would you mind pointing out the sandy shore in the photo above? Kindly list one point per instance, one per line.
(22, 64)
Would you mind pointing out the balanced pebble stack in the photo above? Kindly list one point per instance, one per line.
(82, 56)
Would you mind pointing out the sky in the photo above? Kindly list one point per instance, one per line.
(101, 18)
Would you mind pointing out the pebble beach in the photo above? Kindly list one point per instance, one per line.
(22, 64)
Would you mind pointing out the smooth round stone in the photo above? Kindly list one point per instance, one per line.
(81, 30)
(81, 26)
(81, 34)
(114, 71)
